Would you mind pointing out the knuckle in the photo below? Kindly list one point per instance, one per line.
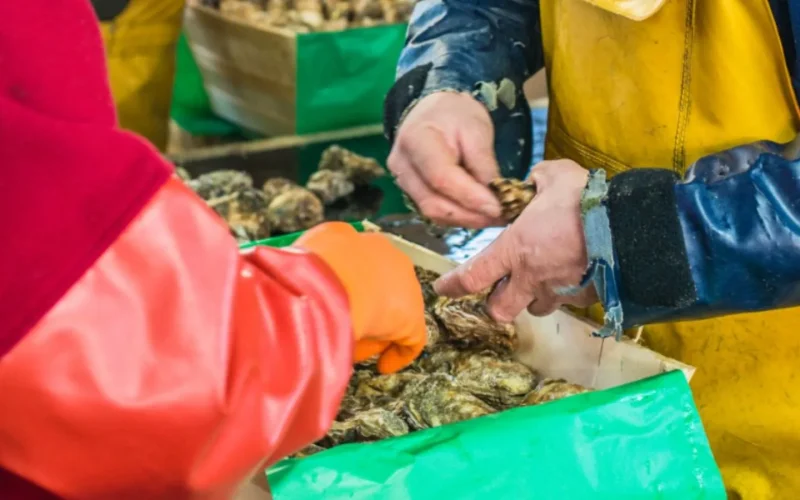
(437, 181)
(469, 282)
(393, 162)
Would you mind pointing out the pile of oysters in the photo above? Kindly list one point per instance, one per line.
(467, 370)
(282, 206)
(305, 16)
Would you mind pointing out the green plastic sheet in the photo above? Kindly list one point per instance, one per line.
(640, 440)
(343, 77)
(191, 108)
(287, 239)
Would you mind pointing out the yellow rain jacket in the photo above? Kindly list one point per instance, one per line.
(664, 83)
(140, 50)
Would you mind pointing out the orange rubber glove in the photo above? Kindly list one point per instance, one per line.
(386, 304)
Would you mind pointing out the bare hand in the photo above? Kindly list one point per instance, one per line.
(443, 158)
(543, 250)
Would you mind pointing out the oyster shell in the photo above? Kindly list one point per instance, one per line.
(220, 183)
(426, 279)
(500, 382)
(369, 425)
(245, 212)
(297, 209)
(182, 174)
(308, 451)
(551, 390)
(359, 169)
(330, 185)
(391, 385)
(466, 321)
(514, 195)
(277, 186)
(438, 358)
(432, 327)
(436, 400)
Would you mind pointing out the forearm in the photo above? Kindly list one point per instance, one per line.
(724, 240)
(487, 49)
(174, 367)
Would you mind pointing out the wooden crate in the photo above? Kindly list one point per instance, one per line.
(249, 71)
(276, 82)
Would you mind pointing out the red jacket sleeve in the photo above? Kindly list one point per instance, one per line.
(175, 367)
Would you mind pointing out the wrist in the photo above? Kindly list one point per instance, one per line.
(603, 270)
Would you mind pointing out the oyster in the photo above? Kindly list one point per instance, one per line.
(182, 174)
(390, 385)
(304, 16)
(500, 382)
(297, 209)
(308, 451)
(466, 321)
(330, 185)
(514, 196)
(426, 279)
(437, 358)
(351, 405)
(432, 328)
(359, 169)
(369, 425)
(551, 390)
(220, 183)
(436, 400)
(277, 186)
(245, 212)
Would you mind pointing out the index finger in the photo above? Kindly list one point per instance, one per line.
(437, 166)
(478, 273)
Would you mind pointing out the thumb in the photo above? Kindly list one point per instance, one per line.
(367, 348)
(396, 357)
(479, 273)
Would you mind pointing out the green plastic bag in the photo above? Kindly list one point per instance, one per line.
(640, 440)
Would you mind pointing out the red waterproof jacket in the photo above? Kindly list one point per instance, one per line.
(141, 356)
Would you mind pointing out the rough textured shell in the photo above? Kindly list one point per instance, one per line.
(369, 425)
(551, 390)
(295, 210)
(308, 451)
(182, 174)
(220, 183)
(245, 212)
(514, 195)
(438, 358)
(436, 400)
(426, 279)
(501, 382)
(390, 385)
(432, 328)
(359, 169)
(466, 321)
(330, 185)
(277, 186)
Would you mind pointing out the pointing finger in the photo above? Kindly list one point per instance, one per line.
(479, 273)
(509, 298)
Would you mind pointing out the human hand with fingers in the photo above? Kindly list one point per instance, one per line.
(443, 158)
(541, 253)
